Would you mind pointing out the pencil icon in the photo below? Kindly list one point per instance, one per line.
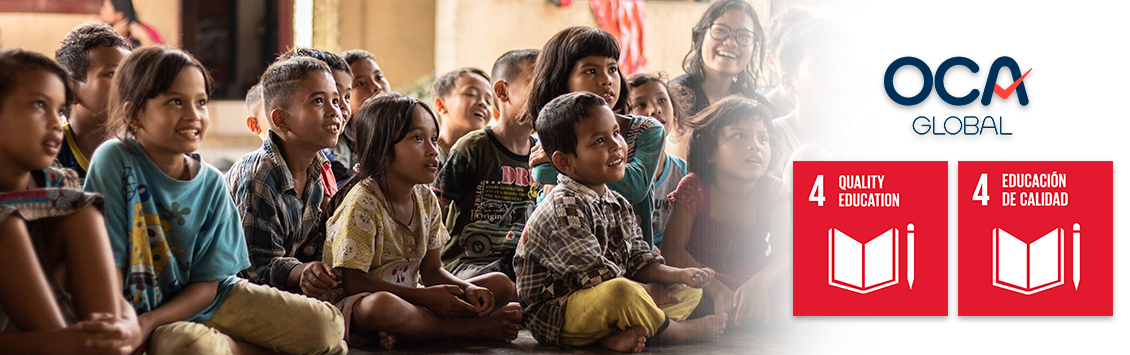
(1075, 255)
(910, 254)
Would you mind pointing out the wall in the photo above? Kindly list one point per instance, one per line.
(163, 15)
(475, 33)
(400, 34)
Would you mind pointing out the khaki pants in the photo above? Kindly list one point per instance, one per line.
(594, 313)
(260, 315)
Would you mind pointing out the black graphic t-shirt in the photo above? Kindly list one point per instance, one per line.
(490, 188)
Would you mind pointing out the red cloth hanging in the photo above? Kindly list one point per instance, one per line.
(624, 20)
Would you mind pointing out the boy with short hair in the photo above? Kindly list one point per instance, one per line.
(487, 176)
(581, 255)
(256, 117)
(278, 188)
(91, 53)
(342, 77)
(462, 100)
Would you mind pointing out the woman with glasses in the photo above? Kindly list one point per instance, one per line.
(725, 59)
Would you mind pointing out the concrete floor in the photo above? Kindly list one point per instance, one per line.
(754, 341)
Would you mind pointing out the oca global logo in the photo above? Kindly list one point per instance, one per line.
(935, 81)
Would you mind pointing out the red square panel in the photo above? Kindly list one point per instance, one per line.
(1035, 238)
(870, 239)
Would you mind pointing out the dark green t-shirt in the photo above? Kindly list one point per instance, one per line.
(490, 189)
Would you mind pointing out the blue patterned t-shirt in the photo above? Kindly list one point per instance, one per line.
(167, 233)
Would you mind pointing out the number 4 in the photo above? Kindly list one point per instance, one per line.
(981, 193)
(817, 193)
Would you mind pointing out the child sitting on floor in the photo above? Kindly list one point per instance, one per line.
(487, 177)
(48, 224)
(581, 255)
(587, 59)
(278, 190)
(730, 215)
(175, 231)
(386, 238)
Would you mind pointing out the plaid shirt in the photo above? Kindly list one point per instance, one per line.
(575, 239)
(280, 227)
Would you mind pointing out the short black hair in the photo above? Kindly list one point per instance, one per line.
(334, 61)
(353, 55)
(556, 61)
(281, 80)
(557, 121)
(74, 52)
(16, 61)
(506, 67)
(802, 38)
(254, 95)
(639, 79)
(445, 83)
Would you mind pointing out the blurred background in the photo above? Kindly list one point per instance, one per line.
(412, 41)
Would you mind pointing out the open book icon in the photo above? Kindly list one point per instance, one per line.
(860, 267)
(1028, 268)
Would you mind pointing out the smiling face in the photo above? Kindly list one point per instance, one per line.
(368, 81)
(342, 83)
(174, 122)
(598, 75)
(727, 57)
(601, 151)
(92, 95)
(313, 119)
(31, 128)
(743, 150)
(467, 107)
(652, 99)
(416, 158)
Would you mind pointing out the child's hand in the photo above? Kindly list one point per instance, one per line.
(444, 301)
(317, 278)
(696, 277)
(481, 298)
(537, 156)
(105, 334)
(751, 300)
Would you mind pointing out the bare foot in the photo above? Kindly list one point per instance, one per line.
(704, 328)
(387, 340)
(503, 324)
(631, 340)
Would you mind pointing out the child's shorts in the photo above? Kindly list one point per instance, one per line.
(346, 307)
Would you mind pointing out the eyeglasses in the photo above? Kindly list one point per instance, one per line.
(720, 32)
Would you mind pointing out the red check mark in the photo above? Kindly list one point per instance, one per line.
(1005, 93)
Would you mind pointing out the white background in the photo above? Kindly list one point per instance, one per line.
(1077, 111)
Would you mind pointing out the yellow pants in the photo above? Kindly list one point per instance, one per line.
(594, 313)
(260, 315)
